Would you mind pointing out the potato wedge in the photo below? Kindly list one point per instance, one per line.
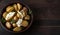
(14, 25)
(4, 14)
(15, 18)
(15, 7)
(23, 13)
(24, 23)
(25, 9)
(19, 6)
(27, 17)
(19, 16)
(8, 25)
(9, 9)
(17, 29)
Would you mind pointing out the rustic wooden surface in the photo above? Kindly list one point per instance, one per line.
(46, 18)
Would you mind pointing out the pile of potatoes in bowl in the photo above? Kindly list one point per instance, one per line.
(16, 17)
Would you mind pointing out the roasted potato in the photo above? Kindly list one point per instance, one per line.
(27, 17)
(15, 18)
(15, 7)
(14, 24)
(25, 9)
(19, 6)
(24, 13)
(19, 16)
(9, 9)
(24, 23)
(4, 14)
(17, 29)
(8, 25)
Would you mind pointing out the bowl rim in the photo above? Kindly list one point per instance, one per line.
(25, 28)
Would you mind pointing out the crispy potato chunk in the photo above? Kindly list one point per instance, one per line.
(14, 24)
(4, 14)
(19, 6)
(17, 29)
(19, 16)
(27, 17)
(15, 18)
(15, 7)
(24, 11)
(9, 9)
(24, 23)
(8, 25)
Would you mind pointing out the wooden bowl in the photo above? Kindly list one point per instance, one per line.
(2, 24)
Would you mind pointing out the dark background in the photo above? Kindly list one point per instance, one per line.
(46, 17)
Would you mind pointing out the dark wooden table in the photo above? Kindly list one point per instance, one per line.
(46, 17)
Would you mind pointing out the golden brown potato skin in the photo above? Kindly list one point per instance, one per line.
(24, 23)
(15, 18)
(9, 9)
(18, 15)
(17, 29)
(8, 25)
(24, 11)
(19, 6)
(4, 14)
(14, 25)
(27, 17)
(15, 7)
